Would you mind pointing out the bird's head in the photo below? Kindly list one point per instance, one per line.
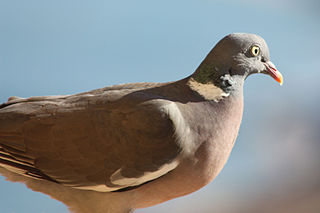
(234, 58)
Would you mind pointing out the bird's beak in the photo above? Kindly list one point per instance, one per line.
(273, 72)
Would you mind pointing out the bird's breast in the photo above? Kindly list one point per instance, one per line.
(216, 135)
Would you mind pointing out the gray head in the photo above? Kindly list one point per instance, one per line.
(236, 55)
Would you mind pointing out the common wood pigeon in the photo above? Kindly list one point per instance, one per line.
(123, 147)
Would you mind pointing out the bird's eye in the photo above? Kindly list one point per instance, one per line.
(255, 50)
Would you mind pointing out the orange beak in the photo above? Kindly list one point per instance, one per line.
(273, 72)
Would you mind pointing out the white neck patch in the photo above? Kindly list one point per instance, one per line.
(208, 91)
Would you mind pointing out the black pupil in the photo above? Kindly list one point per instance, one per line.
(256, 51)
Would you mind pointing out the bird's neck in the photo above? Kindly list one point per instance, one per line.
(207, 90)
(205, 73)
(214, 84)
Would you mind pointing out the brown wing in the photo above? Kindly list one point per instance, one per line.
(82, 140)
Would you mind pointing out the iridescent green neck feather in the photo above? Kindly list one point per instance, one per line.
(205, 73)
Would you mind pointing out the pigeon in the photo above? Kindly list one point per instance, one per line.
(130, 146)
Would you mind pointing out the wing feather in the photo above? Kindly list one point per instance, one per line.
(82, 140)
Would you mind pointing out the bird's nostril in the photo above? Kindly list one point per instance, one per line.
(263, 59)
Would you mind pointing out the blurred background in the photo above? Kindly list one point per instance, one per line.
(66, 47)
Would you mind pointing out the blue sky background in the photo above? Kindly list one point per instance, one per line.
(66, 47)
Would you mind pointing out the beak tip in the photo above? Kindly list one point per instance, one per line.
(280, 78)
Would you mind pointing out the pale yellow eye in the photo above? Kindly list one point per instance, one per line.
(255, 50)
